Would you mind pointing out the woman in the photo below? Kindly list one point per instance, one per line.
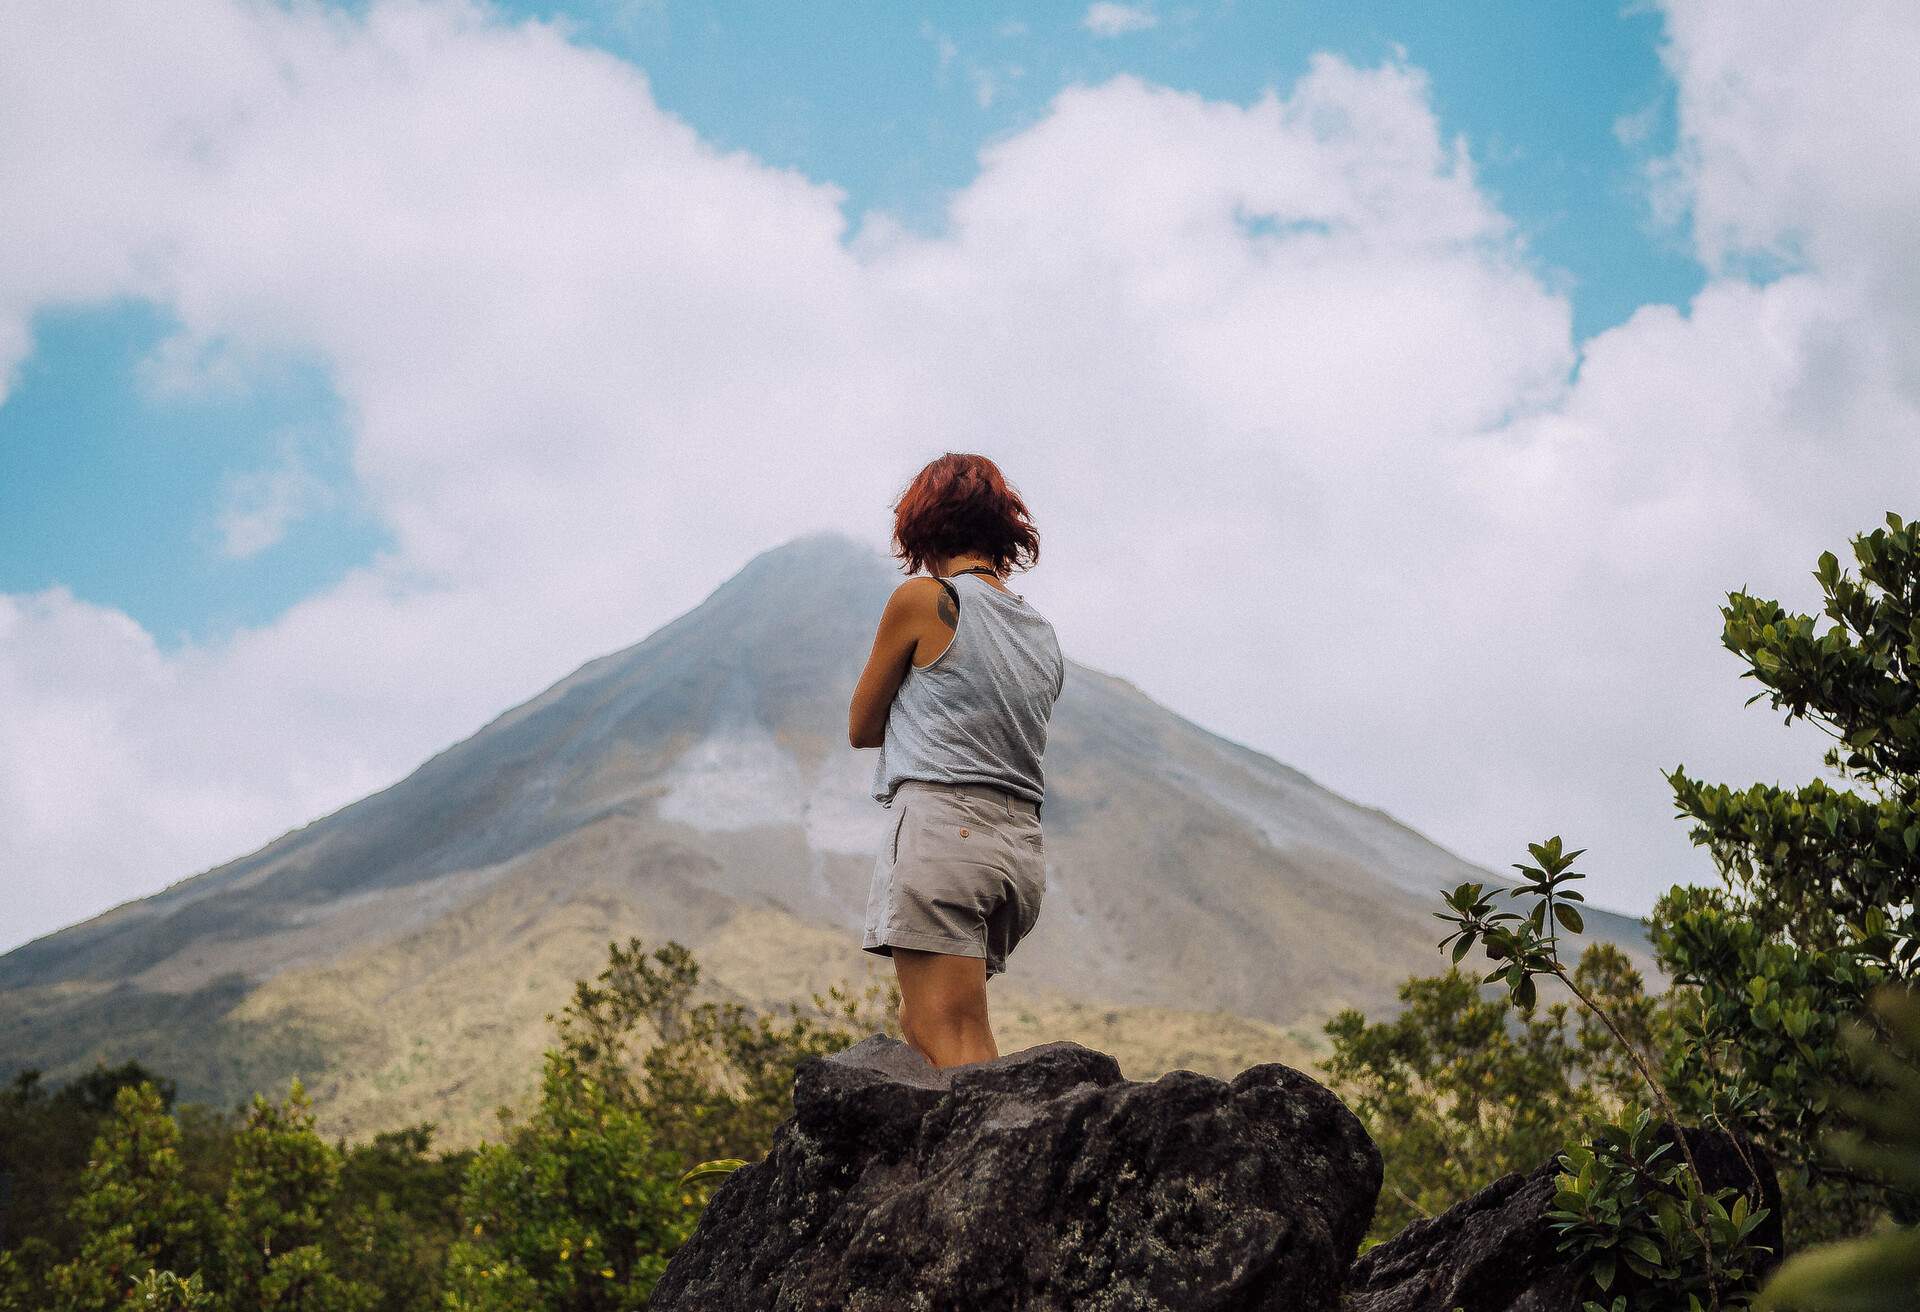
(956, 695)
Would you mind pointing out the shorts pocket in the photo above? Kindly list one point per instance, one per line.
(893, 843)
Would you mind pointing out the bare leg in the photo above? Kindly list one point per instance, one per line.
(943, 1006)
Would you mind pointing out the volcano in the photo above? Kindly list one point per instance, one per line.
(1206, 906)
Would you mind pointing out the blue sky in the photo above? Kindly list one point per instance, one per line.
(114, 486)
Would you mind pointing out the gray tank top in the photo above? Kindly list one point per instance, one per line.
(978, 713)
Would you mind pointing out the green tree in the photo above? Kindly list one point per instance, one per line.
(284, 1182)
(714, 1077)
(1822, 882)
(397, 1215)
(46, 1137)
(577, 1212)
(1464, 1085)
(580, 1208)
(132, 1210)
(721, 1086)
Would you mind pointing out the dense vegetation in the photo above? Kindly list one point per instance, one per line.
(1771, 972)
(1790, 1017)
(112, 1197)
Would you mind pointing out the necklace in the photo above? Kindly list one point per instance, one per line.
(990, 572)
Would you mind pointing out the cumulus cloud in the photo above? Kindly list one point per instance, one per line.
(1279, 374)
(1104, 18)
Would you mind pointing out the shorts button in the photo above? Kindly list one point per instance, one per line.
(963, 833)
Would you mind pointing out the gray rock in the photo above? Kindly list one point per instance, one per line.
(1039, 1180)
(1495, 1253)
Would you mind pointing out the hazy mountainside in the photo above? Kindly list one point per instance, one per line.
(400, 953)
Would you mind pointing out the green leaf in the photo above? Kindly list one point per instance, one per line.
(1645, 1248)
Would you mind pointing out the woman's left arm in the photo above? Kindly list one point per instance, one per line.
(893, 647)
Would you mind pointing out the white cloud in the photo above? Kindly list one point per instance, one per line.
(261, 505)
(1105, 18)
(1634, 128)
(1279, 372)
(942, 43)
(985, 87)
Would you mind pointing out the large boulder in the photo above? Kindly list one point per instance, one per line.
(1496, 1253)
(1039, 1180)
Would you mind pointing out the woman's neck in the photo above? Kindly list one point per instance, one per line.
(969, 561)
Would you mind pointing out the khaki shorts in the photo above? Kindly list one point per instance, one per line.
(961, 870)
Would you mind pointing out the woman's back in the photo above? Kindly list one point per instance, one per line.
(978, 712)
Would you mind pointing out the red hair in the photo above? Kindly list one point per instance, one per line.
(962, 503)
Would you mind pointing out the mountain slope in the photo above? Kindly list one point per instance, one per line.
(698, 786)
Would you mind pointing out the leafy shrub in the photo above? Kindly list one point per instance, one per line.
(1462, 1087)
(1616, 1208)
(1643, 1228)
